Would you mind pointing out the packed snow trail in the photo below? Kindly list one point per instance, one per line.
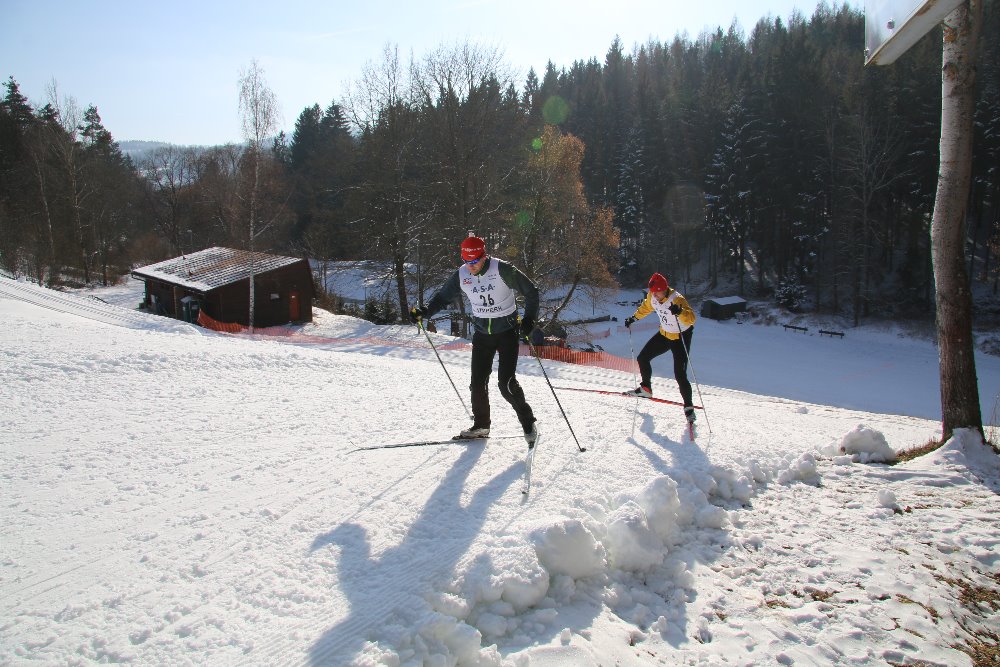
(87, 307)
(171, 498)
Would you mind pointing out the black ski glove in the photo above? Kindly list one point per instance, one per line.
(629, 321)
(417, 313)
(527, 326)
(675, 309)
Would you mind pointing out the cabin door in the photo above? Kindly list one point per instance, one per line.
(294, 311)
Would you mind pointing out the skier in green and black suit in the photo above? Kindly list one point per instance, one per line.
(490, 285)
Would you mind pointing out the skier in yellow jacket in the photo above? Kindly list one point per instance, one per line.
(676, 330)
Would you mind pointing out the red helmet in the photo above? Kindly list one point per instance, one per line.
(473, 248)
(657, 283)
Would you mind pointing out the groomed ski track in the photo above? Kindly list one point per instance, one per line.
(290, 538)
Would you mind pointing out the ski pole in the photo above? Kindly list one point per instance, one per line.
(635, 408)
(433, 347)
(680, 334)
(534, 352)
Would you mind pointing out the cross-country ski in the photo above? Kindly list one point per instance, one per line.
(529, 460)
(454, 440)
(609, 392)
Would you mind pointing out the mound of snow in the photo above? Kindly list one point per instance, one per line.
(964, 452)
(886, 498)
(570, 548)
(632, 544)
(862, 444)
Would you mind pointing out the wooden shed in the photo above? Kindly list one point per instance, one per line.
(217, 281)
(722, 308)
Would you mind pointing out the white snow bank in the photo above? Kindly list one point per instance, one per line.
(594, 553)
(965, 453)
(514, 593)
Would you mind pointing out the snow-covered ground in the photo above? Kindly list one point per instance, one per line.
(175, 496)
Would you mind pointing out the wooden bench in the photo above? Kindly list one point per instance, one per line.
(831, 334)
(795, 328)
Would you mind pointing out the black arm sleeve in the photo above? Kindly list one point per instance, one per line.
(521, 283)
(451, 289)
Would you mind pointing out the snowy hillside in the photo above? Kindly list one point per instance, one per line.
(175, 496)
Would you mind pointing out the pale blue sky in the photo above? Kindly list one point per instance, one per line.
(169, 71)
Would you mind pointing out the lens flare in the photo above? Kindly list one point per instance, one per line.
(522, 218)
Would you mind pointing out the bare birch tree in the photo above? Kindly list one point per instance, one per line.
(66, 147)
(259, 114)
(381, 105)
(959, 385)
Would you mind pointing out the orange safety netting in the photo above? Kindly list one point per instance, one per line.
(235, 327)
(553, 352)
(598, 359)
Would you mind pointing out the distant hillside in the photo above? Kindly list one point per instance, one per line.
(138, 149)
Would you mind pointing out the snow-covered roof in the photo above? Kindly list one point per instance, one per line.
(213, 267)
(727, 300)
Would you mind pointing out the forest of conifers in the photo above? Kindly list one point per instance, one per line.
(770, 160)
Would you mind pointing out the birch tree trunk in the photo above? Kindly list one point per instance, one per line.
(259, 114)
(50, 264)
(959, 384)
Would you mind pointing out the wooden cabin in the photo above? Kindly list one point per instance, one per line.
(217, 281)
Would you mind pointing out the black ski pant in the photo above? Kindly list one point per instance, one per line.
(485, 348)
(660, 344)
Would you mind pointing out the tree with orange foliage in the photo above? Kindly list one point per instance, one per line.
(558, 237)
